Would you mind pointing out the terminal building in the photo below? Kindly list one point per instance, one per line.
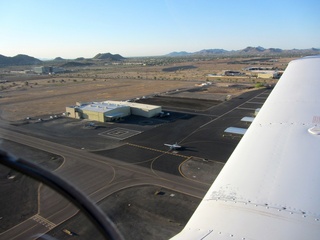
(111, 110)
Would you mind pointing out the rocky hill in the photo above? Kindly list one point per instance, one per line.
(18, 60)
(108, 56)
(59, 59)
(21, 59)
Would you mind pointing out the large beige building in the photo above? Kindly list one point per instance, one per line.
(144, 110)
(111, 110)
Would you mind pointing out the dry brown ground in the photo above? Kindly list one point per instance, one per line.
(42, 100)
(26, 96)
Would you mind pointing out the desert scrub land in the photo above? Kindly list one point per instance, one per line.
(27, 95)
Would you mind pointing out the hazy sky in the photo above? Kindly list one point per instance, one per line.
(83, 28)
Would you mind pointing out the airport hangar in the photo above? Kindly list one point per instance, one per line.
(107, 111)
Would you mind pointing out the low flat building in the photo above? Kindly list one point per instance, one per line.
(267, 74)
(139, 109)
(98, 111)
(111, 110)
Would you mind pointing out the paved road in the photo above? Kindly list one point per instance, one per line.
(95, 175)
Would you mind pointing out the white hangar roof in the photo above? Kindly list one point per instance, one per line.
(100, 106)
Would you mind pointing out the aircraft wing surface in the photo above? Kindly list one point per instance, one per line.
(270, 186)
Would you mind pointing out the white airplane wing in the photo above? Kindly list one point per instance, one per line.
(270, 186)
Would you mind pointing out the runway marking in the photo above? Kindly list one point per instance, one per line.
(119, 133)
(43, 221)
(265, 98)
(39, 199)
(255, 102)
(242, 108)
(156, 150)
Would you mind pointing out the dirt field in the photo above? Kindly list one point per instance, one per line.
(17, 104)
(31, 96)
(52, 99)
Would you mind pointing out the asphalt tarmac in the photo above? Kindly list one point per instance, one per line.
(101, 163)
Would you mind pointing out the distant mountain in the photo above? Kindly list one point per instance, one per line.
(252, 50)
(59, 59)
(247, 51)
(19, 60)
(202, 52)
(179, 54)
(109, 56)
(260, 50)
(211, 51)
(275, 50)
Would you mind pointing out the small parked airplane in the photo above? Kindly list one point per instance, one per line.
(173, 146)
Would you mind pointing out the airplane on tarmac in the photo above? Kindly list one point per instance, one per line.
(173, 146)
